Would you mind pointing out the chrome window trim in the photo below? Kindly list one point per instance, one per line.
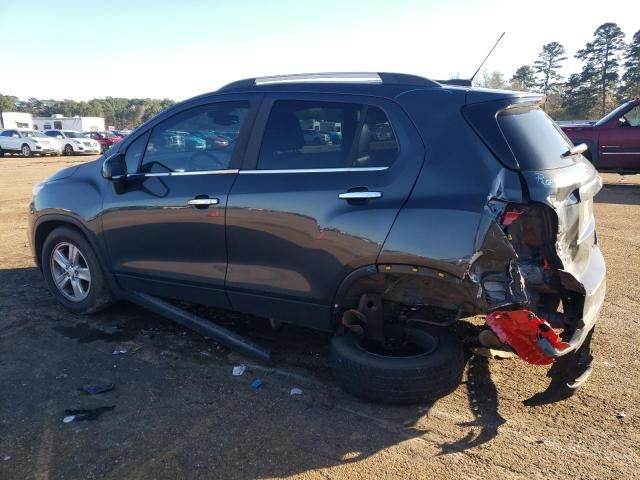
(315, 170)
(183, 174)
(621, 153)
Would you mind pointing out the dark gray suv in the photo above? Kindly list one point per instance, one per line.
(423, 203)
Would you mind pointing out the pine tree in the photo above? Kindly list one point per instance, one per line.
(601, 58)
(631, 78)
(524, 79)
(548, 64)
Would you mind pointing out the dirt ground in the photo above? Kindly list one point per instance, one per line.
(179, 412)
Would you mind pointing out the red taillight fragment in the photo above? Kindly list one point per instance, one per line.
(511, 216)
(522, 330)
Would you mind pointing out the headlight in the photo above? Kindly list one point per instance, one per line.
(76, 142)
(36, 188)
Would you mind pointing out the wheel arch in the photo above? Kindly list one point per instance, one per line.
(48, 223)
(407, 284)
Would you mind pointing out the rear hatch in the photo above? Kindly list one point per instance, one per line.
(524, 138)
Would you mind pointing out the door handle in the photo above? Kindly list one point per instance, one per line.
(365, 195)
(203, 202)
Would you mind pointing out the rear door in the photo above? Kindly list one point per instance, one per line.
(165, 225)
(7, 142)
(306, 210)
(13, 141)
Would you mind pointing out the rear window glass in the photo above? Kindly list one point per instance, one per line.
(536, 141)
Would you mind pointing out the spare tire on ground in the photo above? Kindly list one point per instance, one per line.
(430, 369)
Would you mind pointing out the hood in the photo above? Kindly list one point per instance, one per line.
(44, 141)
(576, 126)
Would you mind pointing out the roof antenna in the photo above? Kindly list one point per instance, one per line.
(486, 58)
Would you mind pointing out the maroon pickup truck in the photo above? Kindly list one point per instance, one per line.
(614, 140)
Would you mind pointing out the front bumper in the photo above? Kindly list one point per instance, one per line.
(57, 151)
(87, 150)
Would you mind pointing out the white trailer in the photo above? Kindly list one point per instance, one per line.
(16, 120)
(79, 124)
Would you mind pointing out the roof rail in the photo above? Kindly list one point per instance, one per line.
(340, 77)
(356, 77)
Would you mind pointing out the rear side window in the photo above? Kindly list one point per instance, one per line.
(311, 134)
(536, 141)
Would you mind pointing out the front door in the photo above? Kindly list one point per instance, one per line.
(165, 225)
(317, 196)
(620, 143)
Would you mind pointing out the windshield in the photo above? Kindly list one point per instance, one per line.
(32, 133)
(71, 134)
(536, 141)
(612, 114)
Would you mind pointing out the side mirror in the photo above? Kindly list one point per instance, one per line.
(15, 135)
(114, 168)
(59, 136)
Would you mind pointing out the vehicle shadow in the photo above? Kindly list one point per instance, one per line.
(619, 194)
(174, 388)
(483, 402)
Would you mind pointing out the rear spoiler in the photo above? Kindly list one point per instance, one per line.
(459, 82)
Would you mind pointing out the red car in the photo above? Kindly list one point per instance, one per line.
(105, 139)
(614, 140)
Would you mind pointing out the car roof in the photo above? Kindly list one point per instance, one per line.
(379, 83)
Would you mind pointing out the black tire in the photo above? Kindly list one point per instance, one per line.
(1, 152)
(99, 294)
(403, 379)
(25, 150)
(68, 150)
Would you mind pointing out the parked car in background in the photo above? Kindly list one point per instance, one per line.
(75, 142)
(27, 142)
(315, 137)
(105, 139)
(475, 204)
(121, 133)
(614, 140)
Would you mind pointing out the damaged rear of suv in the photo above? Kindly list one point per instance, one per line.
(425, 203)
(500, 222)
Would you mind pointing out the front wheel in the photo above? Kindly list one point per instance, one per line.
(68, 150)
(26, 150)
(429, 368)
(72, 272)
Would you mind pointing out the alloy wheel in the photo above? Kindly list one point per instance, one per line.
(70, 271)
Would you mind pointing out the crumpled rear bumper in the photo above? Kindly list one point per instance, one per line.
(593, 280)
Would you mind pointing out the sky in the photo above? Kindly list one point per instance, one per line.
(180, 48)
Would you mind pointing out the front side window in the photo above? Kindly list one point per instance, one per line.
(135, 151)
(311, 135)
(199, 139)
(631, 118)
(72, 134)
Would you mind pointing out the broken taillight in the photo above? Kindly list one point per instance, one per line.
(511, 216)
